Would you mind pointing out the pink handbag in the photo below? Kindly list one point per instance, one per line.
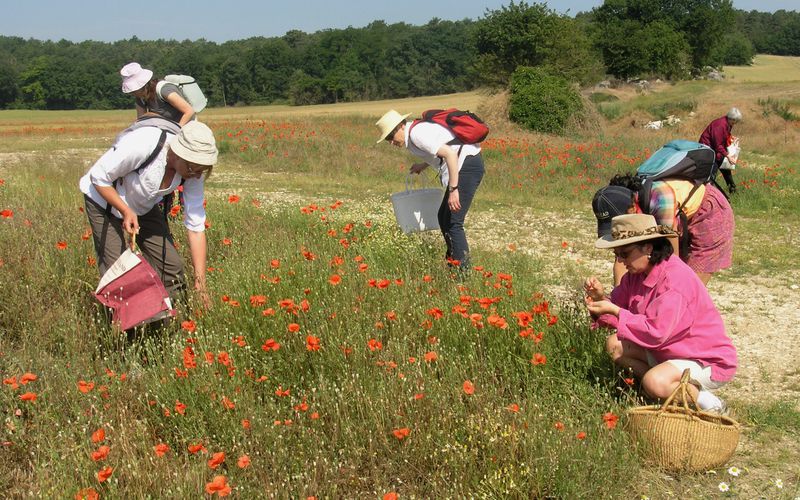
(132, 288)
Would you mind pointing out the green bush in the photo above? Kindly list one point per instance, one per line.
(541, 101)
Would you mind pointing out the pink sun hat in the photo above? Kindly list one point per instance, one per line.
(134, 77)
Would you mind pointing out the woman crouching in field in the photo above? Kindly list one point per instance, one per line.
(665, 319)
(122, 191)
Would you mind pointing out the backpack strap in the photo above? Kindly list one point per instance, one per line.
(161, 140)
(453, 142)
(685, 237)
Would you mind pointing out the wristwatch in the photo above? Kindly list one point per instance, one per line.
(450, 189)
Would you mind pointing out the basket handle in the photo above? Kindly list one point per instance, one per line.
(685, 395)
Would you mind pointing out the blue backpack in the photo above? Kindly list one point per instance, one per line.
(678, 159)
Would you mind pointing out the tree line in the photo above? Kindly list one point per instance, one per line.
(621, 38)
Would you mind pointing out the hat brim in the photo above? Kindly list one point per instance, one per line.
(608, 241)
(389, 130)
(132, 84)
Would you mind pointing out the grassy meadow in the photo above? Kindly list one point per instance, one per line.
(340, 357)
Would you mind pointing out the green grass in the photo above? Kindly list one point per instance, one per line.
(458, 444)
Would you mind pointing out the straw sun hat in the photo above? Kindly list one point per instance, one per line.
(633, 228)
(388, 122)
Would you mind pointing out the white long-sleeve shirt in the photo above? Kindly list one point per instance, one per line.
(140, 191)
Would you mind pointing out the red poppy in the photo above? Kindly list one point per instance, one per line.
(7, 213)
(280, 392)
(101, 453)
(180, 407)
(629, 381)
(196, 448)
(335, 279)
(401, 433)
(84, 386)
(469, 388)
(434, 312)
(610, 419)
(538, 359)
(216, 459)
(270, 345)
(61, 245)
(189, 325)
(160, 449)
(374, 345)
(243, 462)
(87, 494)
(559, 426)
(233, 198)
(99, 435)
(293, 327)
(218, 485)
(312, 343)
(390, 496)
(362, 267)
(258, 300)
(431, 356)
(28, 396)
(175, 210)
(227, 403)
(104, 473)
(27, 377)
(513, 408)
(226, 241)
(581, 435)
(268, 312)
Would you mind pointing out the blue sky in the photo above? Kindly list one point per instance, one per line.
(220, 20)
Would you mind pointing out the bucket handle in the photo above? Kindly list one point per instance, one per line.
(410, 181)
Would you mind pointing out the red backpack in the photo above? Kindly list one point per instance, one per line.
(466, 126)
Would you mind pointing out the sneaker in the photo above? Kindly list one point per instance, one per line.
(709, 402)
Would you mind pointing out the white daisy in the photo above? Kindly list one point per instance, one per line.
(779, 483)
(734, 471)
(723, 487)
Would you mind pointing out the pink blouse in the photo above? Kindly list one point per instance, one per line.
(670, 313)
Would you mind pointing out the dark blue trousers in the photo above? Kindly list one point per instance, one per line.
(452, 223)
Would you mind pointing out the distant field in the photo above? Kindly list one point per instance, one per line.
(766, 68)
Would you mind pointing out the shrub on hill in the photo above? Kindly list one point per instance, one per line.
(542, 101)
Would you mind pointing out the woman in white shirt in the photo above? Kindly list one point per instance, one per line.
(122, 191)
(460, 168)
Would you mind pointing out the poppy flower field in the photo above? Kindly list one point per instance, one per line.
(340, 357)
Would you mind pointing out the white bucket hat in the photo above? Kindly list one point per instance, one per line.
(388, 122)
(196, 144)
(134, 77)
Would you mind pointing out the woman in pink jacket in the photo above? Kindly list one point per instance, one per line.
(664, 318)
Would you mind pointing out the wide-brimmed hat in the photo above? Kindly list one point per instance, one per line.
(633, 228)
(608, 202)
(134, 77)
(388, 122)
(196, 144)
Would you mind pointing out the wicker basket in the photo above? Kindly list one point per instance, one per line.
(680, 439)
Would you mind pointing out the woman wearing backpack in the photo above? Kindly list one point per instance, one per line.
(460, 168)
(122, 191)
(665, 319)
(710, 218)
(153, 97)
